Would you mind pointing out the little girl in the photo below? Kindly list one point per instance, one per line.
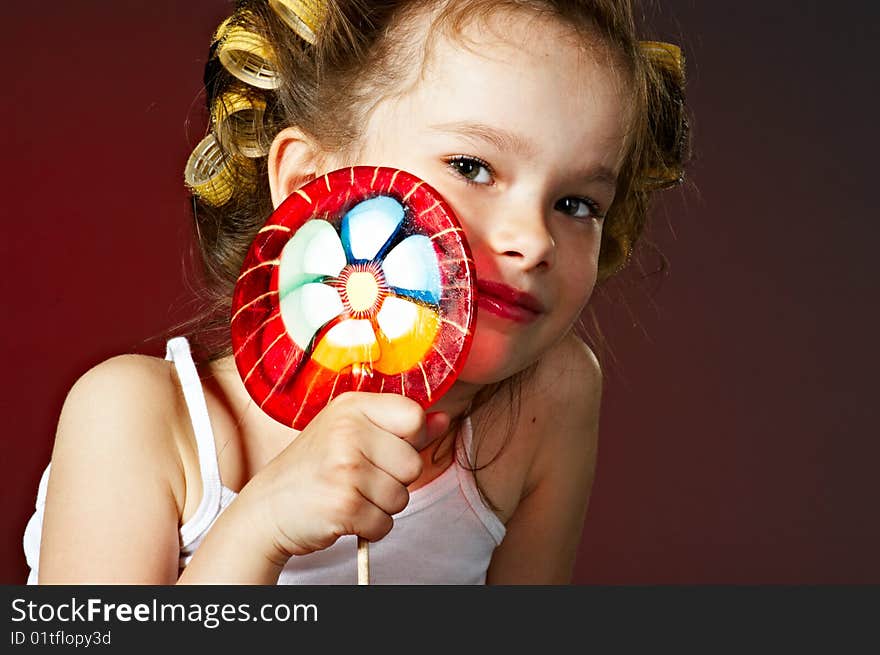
(546, 126)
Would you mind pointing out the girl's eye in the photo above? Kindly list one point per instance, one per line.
(474, 170)
(579, 208)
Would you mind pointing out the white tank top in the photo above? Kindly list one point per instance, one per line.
(445, 535)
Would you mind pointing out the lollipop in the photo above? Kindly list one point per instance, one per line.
(360, 281)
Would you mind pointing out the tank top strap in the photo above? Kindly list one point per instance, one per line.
(178, 352)
(468, 483)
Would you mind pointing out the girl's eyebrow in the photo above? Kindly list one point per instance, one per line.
(501, 139)
(518, 144)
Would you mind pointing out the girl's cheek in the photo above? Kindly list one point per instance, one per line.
(467, 214)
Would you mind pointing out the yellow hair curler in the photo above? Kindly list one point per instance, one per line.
(249, 58)
(302, 16)
(220, 32)
(667, 59)
(238, 119)
(207, 173)
(666, 55)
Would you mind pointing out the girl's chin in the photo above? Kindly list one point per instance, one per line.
(495, 355)
(482, 369)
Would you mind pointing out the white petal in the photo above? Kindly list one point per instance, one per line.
(369, 225)
(314, 251)
(305, 309)
(352, 334)
(397, 317)
(412, 264)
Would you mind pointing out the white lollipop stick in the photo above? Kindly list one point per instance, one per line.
(363, 561)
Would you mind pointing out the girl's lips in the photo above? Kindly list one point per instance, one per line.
(508, 302)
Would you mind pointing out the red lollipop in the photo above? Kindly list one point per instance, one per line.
(360, 281)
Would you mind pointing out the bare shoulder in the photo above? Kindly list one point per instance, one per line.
(126, 370)
(116, 476)
(564, 401)
(124, 374)
(555, 414)
(129, 405)
(569, 371)
(559, 423)
(130, 396)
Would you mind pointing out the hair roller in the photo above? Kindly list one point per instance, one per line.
(665, 55)
(238, 124)
(248, 57)
(302, 16)
(668, 120)
(220, 32)
(207, 173)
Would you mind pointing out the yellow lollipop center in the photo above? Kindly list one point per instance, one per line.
(362, 290)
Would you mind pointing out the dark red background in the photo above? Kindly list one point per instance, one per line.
(739, 440)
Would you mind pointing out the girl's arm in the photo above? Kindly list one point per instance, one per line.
(111, 509)
(117, 486)
(544, 532)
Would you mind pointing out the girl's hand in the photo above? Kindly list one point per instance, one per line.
(346, 473)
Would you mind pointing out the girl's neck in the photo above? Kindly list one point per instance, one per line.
(458, 400)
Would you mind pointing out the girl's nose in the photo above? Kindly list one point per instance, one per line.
(521, 233)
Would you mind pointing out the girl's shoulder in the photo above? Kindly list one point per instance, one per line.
(568, 368)
(143, 374)
(561, 408)
(548, 424)
(145, 385)
(117, 482)
(134, 388)
(131, 406)
(555, 436)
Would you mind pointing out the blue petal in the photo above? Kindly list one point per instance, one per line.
(412, 267)
(368, 226)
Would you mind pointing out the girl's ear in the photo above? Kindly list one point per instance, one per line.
(293, 160)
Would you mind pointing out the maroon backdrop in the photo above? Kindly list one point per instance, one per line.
(738, 440)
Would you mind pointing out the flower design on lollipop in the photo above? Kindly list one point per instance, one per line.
(381, 311)
(361, 280)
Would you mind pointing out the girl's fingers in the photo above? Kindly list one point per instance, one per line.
(398, 458)
(391, 455)
(398, 415)
(383, 490)
(372, 523)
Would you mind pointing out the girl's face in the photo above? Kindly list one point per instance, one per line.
(522, 132)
